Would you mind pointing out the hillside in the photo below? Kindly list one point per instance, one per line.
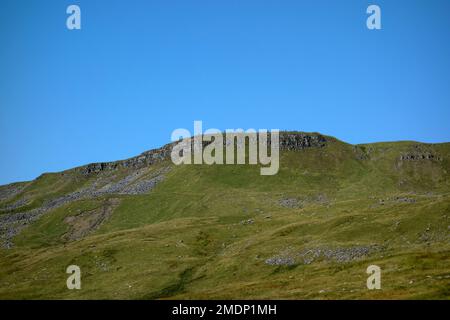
(144, 228)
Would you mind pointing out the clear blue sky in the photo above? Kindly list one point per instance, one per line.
(140, 69)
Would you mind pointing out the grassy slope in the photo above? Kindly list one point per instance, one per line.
(186, 239)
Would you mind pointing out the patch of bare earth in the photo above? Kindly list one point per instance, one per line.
(86, 222)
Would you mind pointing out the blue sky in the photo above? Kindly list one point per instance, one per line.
(137, 70)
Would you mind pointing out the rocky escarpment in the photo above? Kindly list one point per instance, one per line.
(420, 152)
(288, 141)
(415, 156)
(143, 160)
(300, 141)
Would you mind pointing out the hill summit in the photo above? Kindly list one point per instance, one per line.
(144, 228)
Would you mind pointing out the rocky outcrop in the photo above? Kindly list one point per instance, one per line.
(143, 160)
(308, 256)
(420, 156)
(300, 141)
(420, 152)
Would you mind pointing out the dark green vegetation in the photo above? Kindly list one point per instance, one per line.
(206, 232)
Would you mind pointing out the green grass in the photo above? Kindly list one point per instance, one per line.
(186, 238)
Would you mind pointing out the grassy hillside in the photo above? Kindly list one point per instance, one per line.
(224, 231)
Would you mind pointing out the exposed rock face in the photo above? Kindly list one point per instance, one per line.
(420, 152)
(420, 156)
(143, 160)
(300, 141)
